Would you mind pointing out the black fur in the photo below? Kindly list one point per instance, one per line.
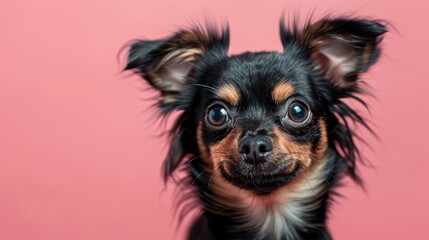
(200, 56)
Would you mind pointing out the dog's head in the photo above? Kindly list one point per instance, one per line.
(261, 120)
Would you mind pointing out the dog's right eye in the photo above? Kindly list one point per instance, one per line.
(217, 116)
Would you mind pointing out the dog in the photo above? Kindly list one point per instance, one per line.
(263, 138)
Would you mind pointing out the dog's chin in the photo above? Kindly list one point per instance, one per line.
(261, 179)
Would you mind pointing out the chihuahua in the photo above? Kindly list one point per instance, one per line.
(264, 138)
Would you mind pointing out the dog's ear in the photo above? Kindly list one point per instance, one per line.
(343, 48)
(167, 63)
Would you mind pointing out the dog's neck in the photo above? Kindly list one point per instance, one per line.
(296, 211)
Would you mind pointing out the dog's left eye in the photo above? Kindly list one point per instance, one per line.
(298, 113)
(217, 116)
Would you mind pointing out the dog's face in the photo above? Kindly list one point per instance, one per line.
(261, 125)
(260, 121)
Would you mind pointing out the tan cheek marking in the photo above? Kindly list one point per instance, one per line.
(217, 184)
(282, 92)
(304, 153)
(204, 151)
(284, 144)
(211, 157)
(311, 181)
(229, 94)
(226, 147)
(322, 146)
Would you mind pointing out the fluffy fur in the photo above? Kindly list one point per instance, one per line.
(263, 137)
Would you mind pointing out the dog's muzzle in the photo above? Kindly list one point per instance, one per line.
(255, 149)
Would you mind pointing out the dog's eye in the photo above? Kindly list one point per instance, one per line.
(217, 116)
(298, 112)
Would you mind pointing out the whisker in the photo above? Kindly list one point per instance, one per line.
(208, 184)
(193, 159)
(204, 86)
(307, 181)
(199, 175)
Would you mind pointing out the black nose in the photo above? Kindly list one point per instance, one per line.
(255, 150)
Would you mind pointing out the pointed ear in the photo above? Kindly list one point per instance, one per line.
(167, 63)
(343, 48)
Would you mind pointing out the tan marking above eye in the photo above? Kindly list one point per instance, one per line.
(229, 94)
(282, 91)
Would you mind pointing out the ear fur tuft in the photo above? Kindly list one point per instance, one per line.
(168, 63)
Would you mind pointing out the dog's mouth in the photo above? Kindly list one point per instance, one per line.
(260, 179)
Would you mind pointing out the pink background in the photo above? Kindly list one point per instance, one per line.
(79, 152)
